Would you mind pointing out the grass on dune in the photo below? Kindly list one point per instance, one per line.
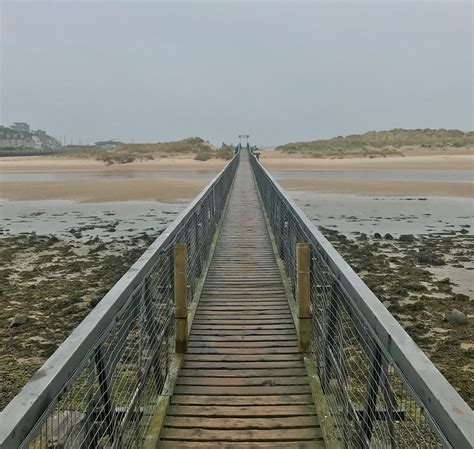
(382, 143)
(194, 147)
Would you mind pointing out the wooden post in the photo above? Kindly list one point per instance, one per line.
(180, 306)
(302, 295)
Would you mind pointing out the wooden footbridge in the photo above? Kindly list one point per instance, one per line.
(243, 378)
(239, 327)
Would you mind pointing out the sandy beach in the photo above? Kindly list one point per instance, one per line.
(51, 164)
(452, 162)
(275, 160)
(381, 188)
(164, 188)
(161, 188)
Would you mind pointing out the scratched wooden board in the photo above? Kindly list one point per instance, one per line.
(243, 382)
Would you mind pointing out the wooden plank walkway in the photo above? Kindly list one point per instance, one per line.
(243, 382)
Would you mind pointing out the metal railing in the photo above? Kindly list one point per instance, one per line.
(381, 389)
(13, 152)
(101, 386)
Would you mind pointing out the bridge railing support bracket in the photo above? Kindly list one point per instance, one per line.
(303, 295)
(180, 303)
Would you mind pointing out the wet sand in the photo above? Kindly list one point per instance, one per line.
(49, 164)
(381, 188)
(303, 180)
(167, 189)
(162, 189)
(274, 160)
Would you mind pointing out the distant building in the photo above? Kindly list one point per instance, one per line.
(12, 138)
(19, 136)
(39, 132)
(20, 126)
(108, 144)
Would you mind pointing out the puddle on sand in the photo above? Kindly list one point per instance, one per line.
(86, 220)
(432, 216)
(99, 175)
(378, 175)
(353, 214)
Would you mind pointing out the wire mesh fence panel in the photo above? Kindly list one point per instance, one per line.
(371, 404)
(101, 387)
(374, 378)
(110, 398)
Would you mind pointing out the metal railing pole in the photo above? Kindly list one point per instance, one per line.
(181, 307)
(302, 294)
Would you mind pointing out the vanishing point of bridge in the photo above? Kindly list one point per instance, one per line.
(239, 327)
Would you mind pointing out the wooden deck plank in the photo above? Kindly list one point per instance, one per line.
(247, 326)
(242, 350)
(242, 381)
(287, 372)
(245, 344)
(280, 435)
(257, 399)
(251, 313)
(244, 390)
(243, 332)
(232, 423)
(314, 444)
(242, 412)
(223, 338)
(243, 357)
(242, 319)
(243, 365)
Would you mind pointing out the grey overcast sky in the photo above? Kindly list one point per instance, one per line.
(282, 71)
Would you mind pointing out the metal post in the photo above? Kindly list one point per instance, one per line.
(108, 417)
(302, 295)
(331, 349)
(390, 403)
(149, 324)
(181, 308)
(91, 435)
(369, 413)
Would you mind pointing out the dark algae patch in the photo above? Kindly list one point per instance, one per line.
(47, 287)
(438, 318)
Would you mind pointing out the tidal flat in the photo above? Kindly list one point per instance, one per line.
(47, 286)
(62, 252)
(400, 272)
(416, 255)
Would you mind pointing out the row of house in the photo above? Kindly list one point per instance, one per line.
(20, 135)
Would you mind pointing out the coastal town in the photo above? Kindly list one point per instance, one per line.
(20, 139)
(20, 135)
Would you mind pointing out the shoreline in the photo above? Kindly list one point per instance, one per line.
(170, 189)
(280, 161)
(380, 188)
(166, 190)
(56, 164)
